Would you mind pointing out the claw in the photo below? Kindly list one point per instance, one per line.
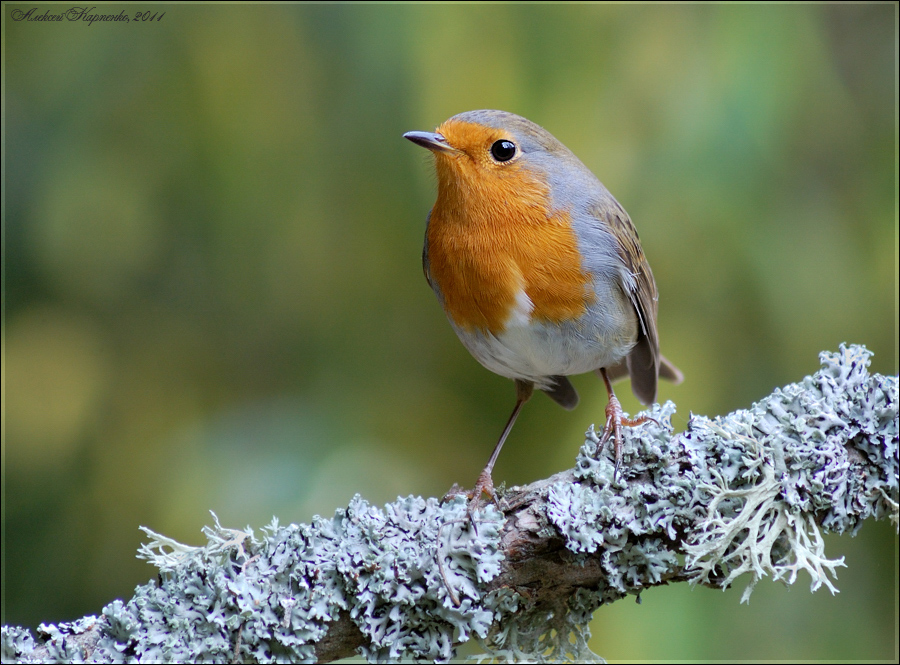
(483, 486)
(615, 421)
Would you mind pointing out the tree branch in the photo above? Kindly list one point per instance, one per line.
(748, 493)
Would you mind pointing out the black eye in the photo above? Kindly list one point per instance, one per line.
(503, 150)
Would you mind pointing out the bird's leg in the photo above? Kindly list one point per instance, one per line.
(615, 420)
(485, 484)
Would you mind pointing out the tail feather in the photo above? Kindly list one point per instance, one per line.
(669, 372)
(563, 392)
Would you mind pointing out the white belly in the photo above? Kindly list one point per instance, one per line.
(535, 350)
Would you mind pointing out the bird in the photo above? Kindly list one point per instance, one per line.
(538, 268)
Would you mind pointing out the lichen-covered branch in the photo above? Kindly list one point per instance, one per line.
(745, 494)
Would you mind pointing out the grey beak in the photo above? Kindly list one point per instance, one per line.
(430, 140)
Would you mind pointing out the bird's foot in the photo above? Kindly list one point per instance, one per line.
(484, 486)
(615, 421)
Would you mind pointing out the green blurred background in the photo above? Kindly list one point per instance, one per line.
(213, 295)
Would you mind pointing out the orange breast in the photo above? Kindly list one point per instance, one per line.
(490, 236)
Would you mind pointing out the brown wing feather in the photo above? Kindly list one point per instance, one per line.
(643, 361)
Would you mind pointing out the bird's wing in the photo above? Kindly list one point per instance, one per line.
(638, 283)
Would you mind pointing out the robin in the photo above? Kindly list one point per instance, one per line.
(538, 268)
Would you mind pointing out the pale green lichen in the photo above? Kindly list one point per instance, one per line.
(279, 592)
(539, 635)
(747, 493)
(822, 452)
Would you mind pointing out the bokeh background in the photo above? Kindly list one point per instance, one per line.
(213, 295)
